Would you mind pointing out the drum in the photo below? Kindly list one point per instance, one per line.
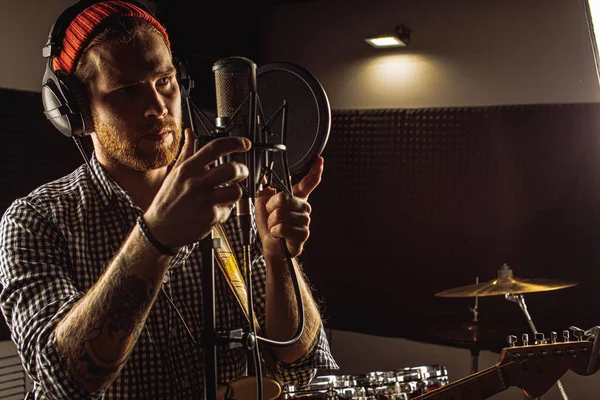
(384, 385)
(398, 384)
(422, 379)
(404, 382)
(325, 387)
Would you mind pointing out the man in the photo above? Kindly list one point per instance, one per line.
(101, 270)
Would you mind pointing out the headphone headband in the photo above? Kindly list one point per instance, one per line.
(65, 104)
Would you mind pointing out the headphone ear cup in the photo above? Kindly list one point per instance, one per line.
(186, 84)
(79, 96)
(63, 104)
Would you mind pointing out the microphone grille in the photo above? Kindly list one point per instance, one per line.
(235, 78)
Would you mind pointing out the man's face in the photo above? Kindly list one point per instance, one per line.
(136, 105)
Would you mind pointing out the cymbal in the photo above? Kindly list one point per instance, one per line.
(506, 285)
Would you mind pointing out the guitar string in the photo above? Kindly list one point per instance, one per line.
(453, 386)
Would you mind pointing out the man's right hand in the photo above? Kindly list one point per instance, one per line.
(196, 195)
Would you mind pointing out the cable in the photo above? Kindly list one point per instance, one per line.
(300, 305)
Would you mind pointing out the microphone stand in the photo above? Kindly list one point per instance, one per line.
(207, 245)
(209, 336)
(244, 217)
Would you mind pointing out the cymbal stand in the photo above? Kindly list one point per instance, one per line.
(475, 350)
(520, 300)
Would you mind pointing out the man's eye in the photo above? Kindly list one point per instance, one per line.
(164, 81)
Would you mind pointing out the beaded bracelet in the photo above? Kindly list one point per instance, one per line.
(152, 240)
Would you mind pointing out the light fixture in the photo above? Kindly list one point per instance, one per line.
(399, 38)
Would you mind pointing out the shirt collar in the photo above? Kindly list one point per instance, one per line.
(110, 191)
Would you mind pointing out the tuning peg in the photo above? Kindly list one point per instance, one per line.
(525, 339)
(577, 332)
(512, 340)
(565, 335)
(539, 338)
(553, 337)
(592, 333)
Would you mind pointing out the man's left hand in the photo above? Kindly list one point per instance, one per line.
(280, 217)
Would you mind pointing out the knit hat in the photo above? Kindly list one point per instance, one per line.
(84, 27)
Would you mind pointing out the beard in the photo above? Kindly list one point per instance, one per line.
(121, 147)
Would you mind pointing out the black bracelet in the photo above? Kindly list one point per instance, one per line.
(152, 240)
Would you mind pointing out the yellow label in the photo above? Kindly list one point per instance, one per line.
(228, 263)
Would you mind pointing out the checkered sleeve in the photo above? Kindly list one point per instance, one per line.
(302, 371)
(37, 292)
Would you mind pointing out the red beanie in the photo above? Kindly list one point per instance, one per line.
(82, 29)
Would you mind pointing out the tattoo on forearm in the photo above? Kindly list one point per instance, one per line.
(129, 305)
(106, 329)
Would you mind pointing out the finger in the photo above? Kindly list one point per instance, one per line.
(187, 149)
(285, 217)
(282, 201)
(220, 147)
(218, 215)
(294, 236)
(222, 175)
(224, 195)
(305, 187)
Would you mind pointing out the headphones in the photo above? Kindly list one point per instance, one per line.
(64, 100)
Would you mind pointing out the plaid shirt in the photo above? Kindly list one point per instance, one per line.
(55, 244)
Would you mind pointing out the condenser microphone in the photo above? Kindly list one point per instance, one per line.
(235, 84)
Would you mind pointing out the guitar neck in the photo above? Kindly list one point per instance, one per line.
(480, 385)
(532, 368)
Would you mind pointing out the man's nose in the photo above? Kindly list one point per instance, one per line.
(156, 107)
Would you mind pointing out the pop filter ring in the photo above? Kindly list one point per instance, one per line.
(307, 130)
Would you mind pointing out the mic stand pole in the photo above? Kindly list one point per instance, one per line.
(244, 217)
(209, 336)
(210, 339)
(475, 348)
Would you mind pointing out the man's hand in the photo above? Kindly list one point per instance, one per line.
(195, 196)
(279, 216)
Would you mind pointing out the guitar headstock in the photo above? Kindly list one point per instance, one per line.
(535, 368)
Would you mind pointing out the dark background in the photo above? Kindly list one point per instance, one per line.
(204, 35)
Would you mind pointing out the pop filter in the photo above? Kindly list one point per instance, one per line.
(308, 115)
